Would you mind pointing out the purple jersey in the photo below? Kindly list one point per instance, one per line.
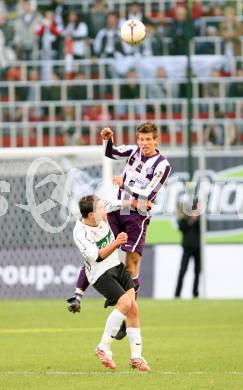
(142, 176)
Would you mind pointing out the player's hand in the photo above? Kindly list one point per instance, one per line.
(73, 305)
(142, 204)
(121, 238)
(117, 180)
(106, 133)
(149, 205)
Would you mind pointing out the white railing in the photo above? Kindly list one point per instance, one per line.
(172, 133)
(99, 66)
(10, 89)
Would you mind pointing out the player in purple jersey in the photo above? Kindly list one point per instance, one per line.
(145, 172)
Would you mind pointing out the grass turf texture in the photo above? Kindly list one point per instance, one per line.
(189, 344)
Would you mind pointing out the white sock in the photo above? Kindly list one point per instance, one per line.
(112, 326)
(135, 341)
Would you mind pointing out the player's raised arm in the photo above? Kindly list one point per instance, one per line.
(161, 173)
(122, 152)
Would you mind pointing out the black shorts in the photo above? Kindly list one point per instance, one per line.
(114, 283)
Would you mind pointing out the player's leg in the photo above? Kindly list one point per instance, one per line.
(132, 266)
(135, 227)
(183, 267)
(197, 269)
(111, 289)
(82, 285)
(133, 260)
(114, 222)
(134, 336)
(113, 323)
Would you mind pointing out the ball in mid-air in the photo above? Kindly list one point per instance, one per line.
(133, 32)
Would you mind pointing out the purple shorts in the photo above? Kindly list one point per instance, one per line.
(134, 224)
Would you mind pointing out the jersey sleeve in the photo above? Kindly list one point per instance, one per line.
(122, 152)
(86, 245)
(112, 206)
(161, 173)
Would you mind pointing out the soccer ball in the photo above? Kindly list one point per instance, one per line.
(133, 32)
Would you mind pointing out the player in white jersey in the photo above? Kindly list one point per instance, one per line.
(109, 277)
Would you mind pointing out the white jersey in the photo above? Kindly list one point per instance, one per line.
(89, 239)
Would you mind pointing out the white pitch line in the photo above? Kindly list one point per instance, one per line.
(98, 329)
(115, 372)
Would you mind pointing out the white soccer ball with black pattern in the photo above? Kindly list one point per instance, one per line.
(133, 32)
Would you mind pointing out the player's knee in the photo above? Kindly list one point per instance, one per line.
(134, 309)
(125, 303)
(132, 260)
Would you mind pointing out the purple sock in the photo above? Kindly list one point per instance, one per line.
(82, 283)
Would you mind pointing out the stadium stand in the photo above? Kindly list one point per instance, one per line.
(66, 74)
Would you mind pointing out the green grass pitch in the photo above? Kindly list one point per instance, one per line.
(191, 345)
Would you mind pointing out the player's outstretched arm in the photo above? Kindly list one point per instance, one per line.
(122, 152)
(110, 248)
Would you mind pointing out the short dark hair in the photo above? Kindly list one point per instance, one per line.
(148, 127)
(87, 204)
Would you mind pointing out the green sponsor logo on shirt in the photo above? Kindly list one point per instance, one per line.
(105, 240)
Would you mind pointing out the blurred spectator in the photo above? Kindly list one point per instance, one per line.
(25, 38)
(231, 30)
(213, 135)
(97, 18)
(7, 29)
(196, 8)
(70, 136)
(152, 45)
(108, 42)
(196, 12)
(95, 113)
(77, 29)
(60, 10)
(6, 55)
(2, 7)
(178, 32)
(135, 11)
(211, 89)
(189, 225)
(32, 94)
(78, 92)
(220, 133)
(130, 90)
(161, 25)
(157, 90)
(217, 10)
(51, 92)
(207, 47)
(236, 88)
(49, 35)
